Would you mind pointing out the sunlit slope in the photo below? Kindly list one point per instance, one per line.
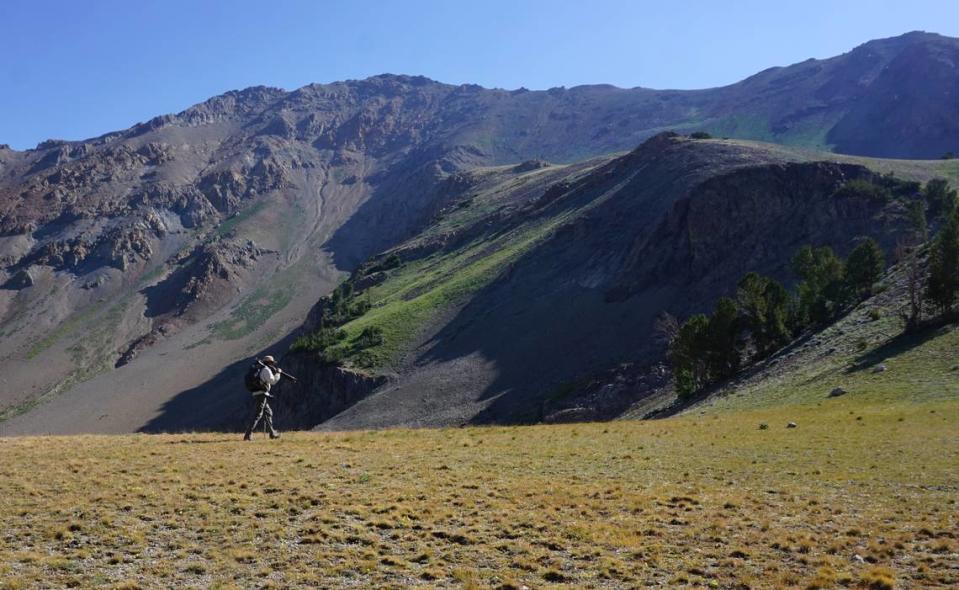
(851, 497)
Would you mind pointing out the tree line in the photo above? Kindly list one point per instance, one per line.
(763, 316)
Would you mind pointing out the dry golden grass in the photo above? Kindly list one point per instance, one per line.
(700, 501)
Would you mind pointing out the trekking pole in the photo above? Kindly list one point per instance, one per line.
(281, 371)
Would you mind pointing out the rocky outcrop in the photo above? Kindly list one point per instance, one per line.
(322, 391)
(607, 395)
(755, 219)
(205, 279)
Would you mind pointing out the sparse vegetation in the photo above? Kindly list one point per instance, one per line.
(864, 189)
(712, 499)
(252, 312)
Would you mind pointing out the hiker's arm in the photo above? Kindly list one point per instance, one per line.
(276, 376)
(270, 376)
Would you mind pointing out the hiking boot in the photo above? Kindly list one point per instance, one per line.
(247, 436)
(274, 435)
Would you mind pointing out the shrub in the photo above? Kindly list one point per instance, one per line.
(389, 263)
(318, 341)
(370, 336)
(949, 156)
(700, 135)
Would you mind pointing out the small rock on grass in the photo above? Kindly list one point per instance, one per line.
(837, 392)
(792, 425)
(879, 369)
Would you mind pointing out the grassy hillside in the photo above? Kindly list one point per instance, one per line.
(418, 292)
(856, 496)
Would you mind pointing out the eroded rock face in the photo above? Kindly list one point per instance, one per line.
(756, 218)
(323, 391)
(203, 281)
(607, 395)
(205, 278)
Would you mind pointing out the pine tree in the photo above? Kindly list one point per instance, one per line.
(776, 333)
(943, 283)
(722, 334)
(942, 201)
(763, 306)
(822, 291)
(688, 356)
(917, 217)
(864, 267)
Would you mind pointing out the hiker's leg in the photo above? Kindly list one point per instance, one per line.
(258, 412)
(268, 417)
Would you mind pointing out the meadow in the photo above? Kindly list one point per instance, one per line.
(859, 496)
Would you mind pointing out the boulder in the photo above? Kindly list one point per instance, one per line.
(837, 392)
(879, 369)
(792, 425)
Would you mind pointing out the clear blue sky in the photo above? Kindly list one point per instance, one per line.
(76, 69)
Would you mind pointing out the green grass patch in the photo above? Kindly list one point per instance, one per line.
(252, 312)
(64, 329)
(92, 354)
(231, 223)
(406, 302)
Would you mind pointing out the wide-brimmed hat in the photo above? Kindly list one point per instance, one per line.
(269, 360)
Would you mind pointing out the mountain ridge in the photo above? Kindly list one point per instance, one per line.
(871, 53)
(247, 208)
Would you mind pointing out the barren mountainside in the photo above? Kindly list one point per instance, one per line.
(140, 269)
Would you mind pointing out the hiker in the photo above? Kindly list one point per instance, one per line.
(263, 375)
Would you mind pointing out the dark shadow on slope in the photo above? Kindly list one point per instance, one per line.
(902, 343)
(681, 405)
(222, 403)
(549, 320)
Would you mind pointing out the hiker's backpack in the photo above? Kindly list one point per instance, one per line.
(252, 379)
